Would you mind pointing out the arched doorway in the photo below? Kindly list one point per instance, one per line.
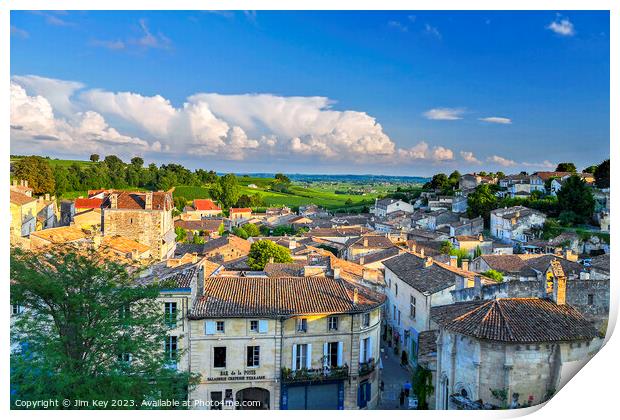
(258, 396)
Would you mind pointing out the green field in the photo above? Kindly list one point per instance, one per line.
(61, 162)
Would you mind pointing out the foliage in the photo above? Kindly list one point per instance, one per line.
(494, 274)
(601, 175)
(94, 157)
(481, 202)
(181, 234)
(240, 232)
(422, 386)
(37, 172)
(226, 190)
(251, 229)
(84, 317)
(501, 395)
(568, 218)
(250, 200)
(575, 196)
(282, 178)
(566, 167)
(261, 252)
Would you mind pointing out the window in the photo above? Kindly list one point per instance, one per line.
(219, 357)
(412, 307)
(396, 289)
(394, 313)
(590, 299)
(171, 347)
(332, 323)
(332, 355)
(219, 327)
(365, 350)
(170, 314)
(301, 356)
(253, 356)
(399, 317)
(254, 325)
(366, 319)
(302, 325)
(16, 309)
(124, 357)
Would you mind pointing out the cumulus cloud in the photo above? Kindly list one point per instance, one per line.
(231, 127)
(496, 120)
(562, 26)
(441, 153)
(446, 114)
(540, 165)
(501, 161)
(469, 157)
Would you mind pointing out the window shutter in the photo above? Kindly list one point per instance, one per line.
(262, 326)
(368, 388)
(209, 327)
(294, 357)
(325, 361)
(369, 347)
(340, 353)
(361, 350)
(309, 356)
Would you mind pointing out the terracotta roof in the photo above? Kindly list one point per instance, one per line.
(515, 263)
(205, 204)
(240, 210)
(515, 320)
(338, 232)
(228, 240)
(284, 269)
(211, 225)
(281, 296)
(20, 198)
(124, 245)
(373, 257)
(132, 200)
(60, 235)
(181, 275)
(88, 203)
(427, 343)
(601, 262)
(372, 241)
(547, 175)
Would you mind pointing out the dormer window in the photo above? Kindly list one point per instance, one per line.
(302, 325)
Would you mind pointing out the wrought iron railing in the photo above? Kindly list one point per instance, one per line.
(367, 367)
(315, 375)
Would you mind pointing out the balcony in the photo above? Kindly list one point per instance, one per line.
(314, 375)
(367, 367)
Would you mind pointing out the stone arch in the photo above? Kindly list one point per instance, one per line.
(252, 394)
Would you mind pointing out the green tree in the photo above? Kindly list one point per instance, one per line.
(37, 171)
(261, 252)
(601, 175)
(481, 202)
(566, 167)
(226, 190)
(590, 169)
(422, 386)
(440, 182)
(494, 274)
(181, 234)
(251, 230)
(575, 196)
(89, 331)
(94, 157)
(282, 178)
(240, 233)
(137, 161)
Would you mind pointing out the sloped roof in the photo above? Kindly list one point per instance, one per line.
(205, 204)
(601, 262)
(228, 240)
(372, 241)
(88, 203)
(240, 210)
(283, 269)
(280, 296)
(211, 225)
(60, 235)
(515, 320)
(124, 244)
(20, 198)
(134, 200)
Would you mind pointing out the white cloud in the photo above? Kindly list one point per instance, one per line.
(149, 40)
(562, 26)
(15, 31)
(446, 114)
(469, 157)
(541, 165)
(397, 25)
(110, 45)
(441, 153)
(431, 30)
(496, 120)
(206, 124)
(501, 161)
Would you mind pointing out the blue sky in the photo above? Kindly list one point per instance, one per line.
(407, 93)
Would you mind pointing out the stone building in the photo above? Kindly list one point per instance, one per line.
(23, 216)
(285, 343)
(516, 224)
(508, 352)
(365, 245)
(145, 217)
(201, 208)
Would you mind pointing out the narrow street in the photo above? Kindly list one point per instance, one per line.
(394, 377)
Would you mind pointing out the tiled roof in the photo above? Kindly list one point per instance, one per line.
(509, 263)
(339, 232)
(181, 275)
(427, 343)
(372, 241)
(516, 211)
(547, 175)
(240, 210)
(601, 262)
(88, 203)
(211, 225)
(515, 320)
(20, 198)
(541, 263)
(284, 269)
(124, 245)
(205, 204)
(60, 235)
(412, 269)
(132, 200)
(228, 240)
(378, 256)
(281, 296)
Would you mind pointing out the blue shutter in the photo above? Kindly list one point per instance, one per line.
(209, 327)
(294, 357)
(340, 353)
(368, 387)
(262, 325)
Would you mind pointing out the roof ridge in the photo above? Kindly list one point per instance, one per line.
(505, 319)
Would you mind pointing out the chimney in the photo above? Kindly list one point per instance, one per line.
(412, 246)
(428, 261)
(570, 255)
(369, 274)
(422, 252)
(337, 273)
(365, 242)
(480, 237)
(271, 260)
(477, 283)
(454, 261)
(292, 244)
(361, 261)
(25, 183)
(355, 296)
(47, 197)
(584, 275)
(15, 183)
(148, 201)
(465, 264)
(559, 290)
(114, 201)
(459, 282)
